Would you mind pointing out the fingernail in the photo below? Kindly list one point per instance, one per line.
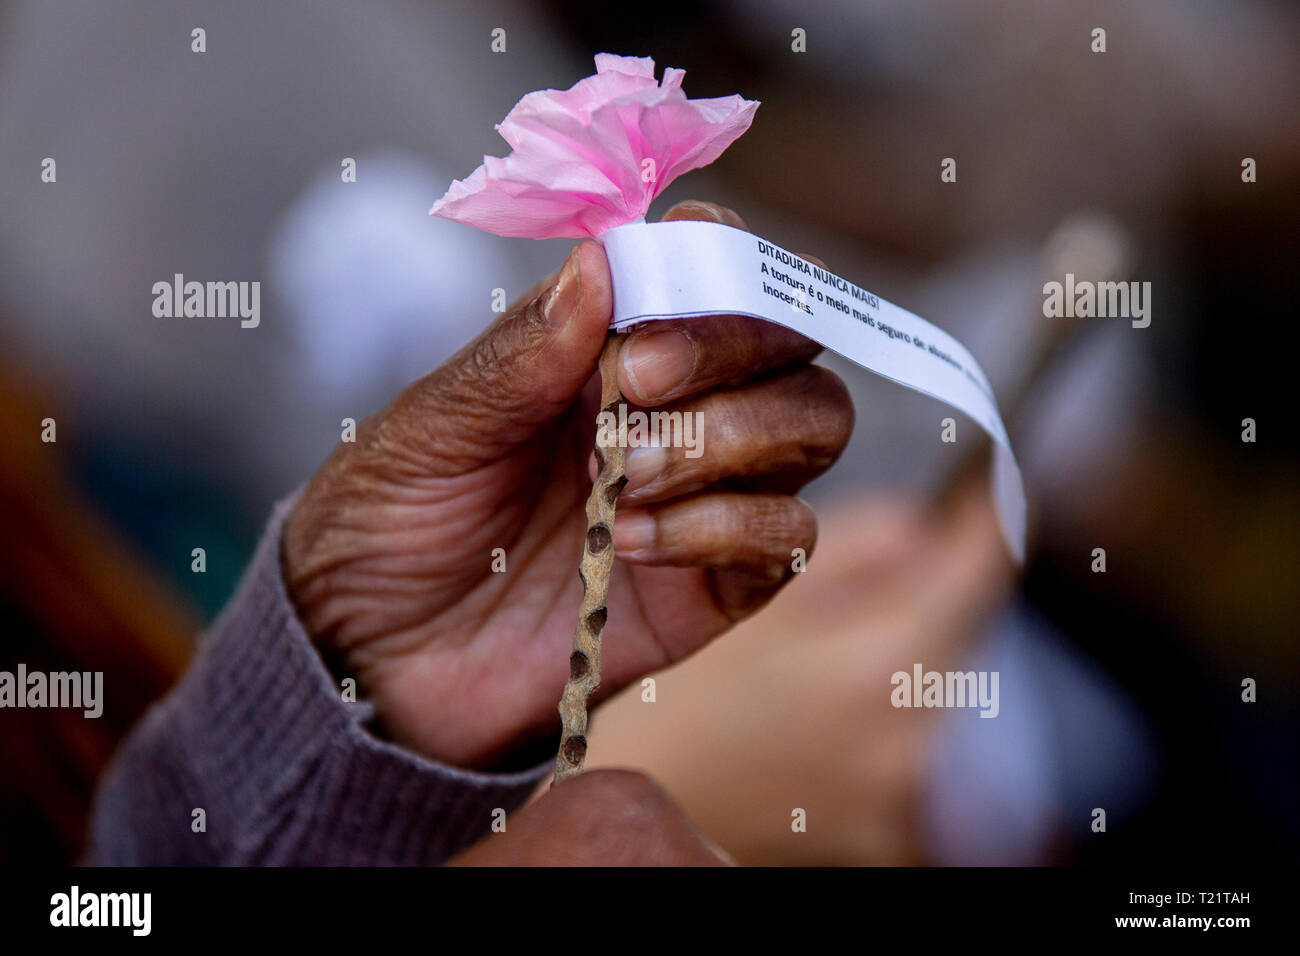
(633, 531)
(644, 465)
(563, 301)
(658, 362)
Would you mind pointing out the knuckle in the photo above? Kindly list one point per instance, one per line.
(506, 348)
(799, 524)
(803, 419)
(515, 339)
(830, 414)
(776, 525)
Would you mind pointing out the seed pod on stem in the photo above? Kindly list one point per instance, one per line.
(594, 569)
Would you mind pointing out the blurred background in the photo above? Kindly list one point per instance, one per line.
(1120, 690)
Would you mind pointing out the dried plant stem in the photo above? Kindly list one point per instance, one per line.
(597, 562)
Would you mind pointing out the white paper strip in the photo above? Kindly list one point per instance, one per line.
(673, 270)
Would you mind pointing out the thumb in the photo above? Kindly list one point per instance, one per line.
(521, 372)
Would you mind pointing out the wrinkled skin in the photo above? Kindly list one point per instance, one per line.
(388, 552)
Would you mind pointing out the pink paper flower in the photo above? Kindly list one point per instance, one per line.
(593, 156)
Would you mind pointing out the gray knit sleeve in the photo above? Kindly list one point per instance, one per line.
(256, 735)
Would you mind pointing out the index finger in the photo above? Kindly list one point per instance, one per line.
(669, 359)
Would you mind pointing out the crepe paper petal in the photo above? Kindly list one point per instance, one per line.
(594, 156)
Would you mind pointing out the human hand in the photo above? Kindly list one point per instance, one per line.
(606, 818)
(387, 554)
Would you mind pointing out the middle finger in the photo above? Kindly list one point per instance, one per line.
(774, 435)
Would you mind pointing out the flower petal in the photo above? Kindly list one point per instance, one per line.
(578, 162)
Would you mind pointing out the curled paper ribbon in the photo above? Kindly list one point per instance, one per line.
(673, 270)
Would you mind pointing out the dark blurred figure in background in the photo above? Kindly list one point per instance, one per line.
(1120, 164)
